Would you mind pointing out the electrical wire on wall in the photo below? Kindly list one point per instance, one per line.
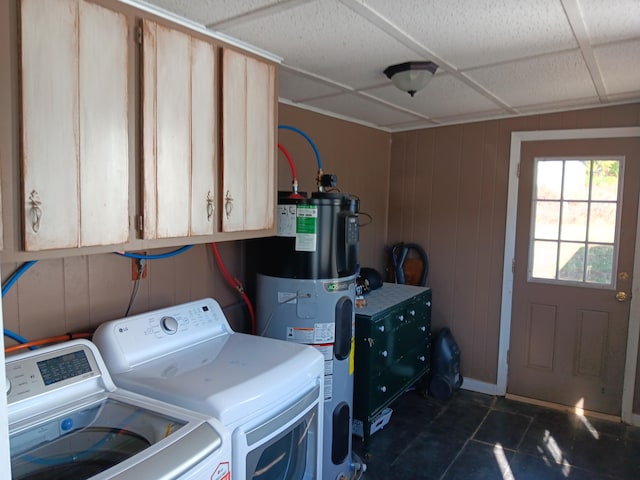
(235, 283)
(141, 259)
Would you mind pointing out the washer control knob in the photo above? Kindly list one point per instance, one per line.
(169, 325)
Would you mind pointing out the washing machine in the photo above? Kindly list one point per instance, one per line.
(267, 392)
(67, 419)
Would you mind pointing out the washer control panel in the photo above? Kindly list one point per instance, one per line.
(34, 374)
(161, 332)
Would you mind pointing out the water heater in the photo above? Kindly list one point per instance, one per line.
(306, 293)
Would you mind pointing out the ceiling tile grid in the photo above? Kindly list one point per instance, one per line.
(496, 57)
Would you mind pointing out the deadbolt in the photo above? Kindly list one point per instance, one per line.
(624, 276)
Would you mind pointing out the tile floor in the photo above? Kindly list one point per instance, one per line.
(475, 436)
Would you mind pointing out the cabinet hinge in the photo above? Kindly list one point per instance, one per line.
(518, 170)
(513, 265)
(140, 223)
(139, 35)
(508, 356)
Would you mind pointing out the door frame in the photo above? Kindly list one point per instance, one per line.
(517, 138)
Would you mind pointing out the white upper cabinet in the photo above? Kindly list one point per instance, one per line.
(248, 142)
(179, 133)
(74, 125)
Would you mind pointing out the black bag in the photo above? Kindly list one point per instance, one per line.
(445, 366)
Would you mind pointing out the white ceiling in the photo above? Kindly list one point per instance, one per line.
(496, 57)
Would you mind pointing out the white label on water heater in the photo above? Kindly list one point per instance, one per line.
(286, 220)
(324, 332)
(306, 228)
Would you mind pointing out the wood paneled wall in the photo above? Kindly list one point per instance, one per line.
(448, 193)
(76, 294)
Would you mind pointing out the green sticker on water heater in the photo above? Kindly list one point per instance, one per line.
(306, 228)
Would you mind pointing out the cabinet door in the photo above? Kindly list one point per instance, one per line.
(74, 114)
(178, 133)
(248, 129)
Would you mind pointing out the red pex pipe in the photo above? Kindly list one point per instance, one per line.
(235, 283)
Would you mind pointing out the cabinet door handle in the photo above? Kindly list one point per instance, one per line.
(421, 358)
(35, 210)
(381, 328)
(428, 304)
(423, 328)
(401, 318)
(228, 204)
(209, 205)
(383, 389)
(384, 354)
(412, 313)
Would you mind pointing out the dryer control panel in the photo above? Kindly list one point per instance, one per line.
(162, 332)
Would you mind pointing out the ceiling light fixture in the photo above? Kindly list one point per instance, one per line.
(411, 76)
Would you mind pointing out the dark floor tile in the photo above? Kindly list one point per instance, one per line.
(466, 396)
(479, 461)
(550, 434)
(463, 417)
(527, 467)
(633, 433)
(513, 406)
(606, 455)
(504, 428)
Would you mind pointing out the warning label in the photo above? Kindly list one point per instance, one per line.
(286, 220)
(319, 333)
(222, 472)
(306, 228)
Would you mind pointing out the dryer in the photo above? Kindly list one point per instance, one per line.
(267, 392)
(67, 419)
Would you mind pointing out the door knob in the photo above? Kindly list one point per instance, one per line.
(622, 296)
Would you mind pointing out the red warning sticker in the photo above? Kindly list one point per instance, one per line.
(222, 472)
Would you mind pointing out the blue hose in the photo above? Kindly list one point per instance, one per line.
(5, 288)
(307, 138)
(16, 275)
(159, 256)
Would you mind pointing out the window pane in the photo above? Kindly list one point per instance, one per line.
(548, 179)
(600, 264)
(574, 221)
(544, 259)
(547, 222)
(602, 224)
(571, 265)
(605, 180)
(576, 180)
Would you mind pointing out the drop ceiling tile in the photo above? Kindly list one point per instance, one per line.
(444, 96)
(328, 39)
(362, 109)
(297, 87)
(611, 20)
(620, 66)
(468, 33)
(541, 80)
(207, 12)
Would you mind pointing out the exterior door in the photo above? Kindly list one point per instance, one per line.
(575, 237)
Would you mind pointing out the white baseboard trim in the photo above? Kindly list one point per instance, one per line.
(479, 386)
(635, 419)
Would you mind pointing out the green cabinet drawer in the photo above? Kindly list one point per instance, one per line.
(392, 342)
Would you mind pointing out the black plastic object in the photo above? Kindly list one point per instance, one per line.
(368, 279)
(399, 253)
(445, 366)
(337, 238)
(343, 322)
(341, 433)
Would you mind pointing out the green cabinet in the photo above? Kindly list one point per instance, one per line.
(392, 343)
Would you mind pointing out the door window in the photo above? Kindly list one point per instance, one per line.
(575, 221)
